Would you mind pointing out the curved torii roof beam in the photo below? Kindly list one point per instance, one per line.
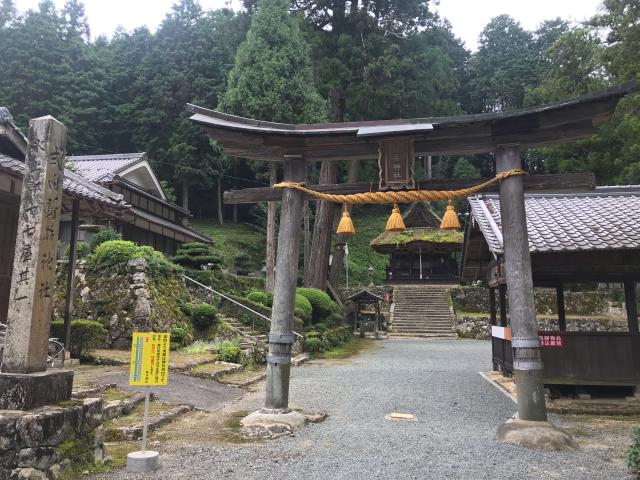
(544, 125)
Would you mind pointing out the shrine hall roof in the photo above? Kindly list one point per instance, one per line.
(550, 124)
(603, 219)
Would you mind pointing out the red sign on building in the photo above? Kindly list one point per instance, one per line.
(551, 341)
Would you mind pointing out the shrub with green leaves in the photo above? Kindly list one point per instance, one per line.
(115, 254)
(242, 262)
(179, 336)
(303, 308)
(82, 250)
(263, 298)
(229, 352)
(321, 303)
(633, 454)
(85, 335)
(313, 345)
(204, 315)
(334, 319)
(195, 255)
(103, 235)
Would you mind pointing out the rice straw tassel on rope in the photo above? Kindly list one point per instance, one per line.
(345, 227)
(450, 218)
(395, 222)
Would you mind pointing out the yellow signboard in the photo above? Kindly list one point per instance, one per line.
(149, 359)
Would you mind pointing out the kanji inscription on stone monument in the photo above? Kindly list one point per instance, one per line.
(35, 254)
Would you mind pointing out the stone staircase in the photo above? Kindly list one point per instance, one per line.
(251, 338)
(421, 311)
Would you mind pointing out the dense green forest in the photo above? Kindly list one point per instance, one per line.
(367, 60)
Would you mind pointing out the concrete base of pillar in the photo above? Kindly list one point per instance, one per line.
(267, 423)
(24, 391)
(535, 435)
(142, 462)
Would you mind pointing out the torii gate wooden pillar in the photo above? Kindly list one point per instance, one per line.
(396, 143)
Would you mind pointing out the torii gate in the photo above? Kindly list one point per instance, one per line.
(395, 144)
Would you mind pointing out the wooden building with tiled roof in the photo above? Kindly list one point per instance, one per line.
(422, 253)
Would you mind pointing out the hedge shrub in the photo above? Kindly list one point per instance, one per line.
(85, 335)
(313, 345)
(195, 255)
(321, 303)
(633, 454)
(116, 254)
(103, 235)
(179, 336)
(303, 308)
(264, 298)
(204, 315)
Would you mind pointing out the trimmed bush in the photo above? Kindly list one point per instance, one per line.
(204, 315)
(242, 262)
(179, 336)
(263, 298)
(229, 352)
(321, 303)
(85, 335)
(195, 255)
(103, 235)
(335, 319)
(303, 308)
(313, 345)
(117, 253)
(82, 250)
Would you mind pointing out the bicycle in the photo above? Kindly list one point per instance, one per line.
(55, 349)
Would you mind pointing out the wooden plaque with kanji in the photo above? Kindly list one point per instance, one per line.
(395, 160)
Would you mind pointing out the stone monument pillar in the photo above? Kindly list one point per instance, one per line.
(24, 381)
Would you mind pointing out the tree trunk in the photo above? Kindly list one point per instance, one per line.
(271, 233)
(235, 186)
(185, 202)
(322, 231)
(307, 238)
(338, 249)
(220, 219)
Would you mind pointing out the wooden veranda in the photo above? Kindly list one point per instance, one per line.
(395, 145)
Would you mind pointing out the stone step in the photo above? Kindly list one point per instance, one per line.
(422, 335)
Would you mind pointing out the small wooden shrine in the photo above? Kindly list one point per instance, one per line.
(367, 311)
(423, 252)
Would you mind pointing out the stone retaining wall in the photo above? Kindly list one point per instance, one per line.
(33, 442)
(479, 327)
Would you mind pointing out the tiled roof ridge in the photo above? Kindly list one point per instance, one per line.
(105, 156)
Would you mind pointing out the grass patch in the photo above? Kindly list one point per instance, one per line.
(246, 375)
(231, 240)
(136, 415)
(112, 394)
(199, 347)
(231, 428)
(353, 347)
(209, 368)
(119, 452)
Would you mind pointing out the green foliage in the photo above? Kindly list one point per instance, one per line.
(313, 345)
(85, 335)
(633, 454)
(321, 303)
(102, 236)
(82, 250)
(229, 352)
(464, 169)
(117, 253)
(195, 255)
(179, 336)
(272, 78)
(334, 319)
(242, 263)
(204, 315)
(230, 309)
(303, 308)
(261, 297)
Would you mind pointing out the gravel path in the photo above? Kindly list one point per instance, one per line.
(457, 415)
(201, 393)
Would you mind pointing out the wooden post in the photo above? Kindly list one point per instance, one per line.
(284, 293)
(631, 303)
(562, 320)
(271, 233)
(492, 305)
(502, 292)
(34, 264)
(71, 270)
(527, 363)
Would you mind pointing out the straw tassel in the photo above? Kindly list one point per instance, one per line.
(395, 222)
(450, 219)
(345, 227)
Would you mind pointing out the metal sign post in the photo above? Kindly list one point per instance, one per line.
(149, 367)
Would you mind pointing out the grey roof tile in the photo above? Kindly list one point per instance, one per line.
(607, 218)
(101, 168)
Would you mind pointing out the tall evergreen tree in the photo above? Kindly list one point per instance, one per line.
(273, 80)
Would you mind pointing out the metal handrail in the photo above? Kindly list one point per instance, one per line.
(234, 301)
